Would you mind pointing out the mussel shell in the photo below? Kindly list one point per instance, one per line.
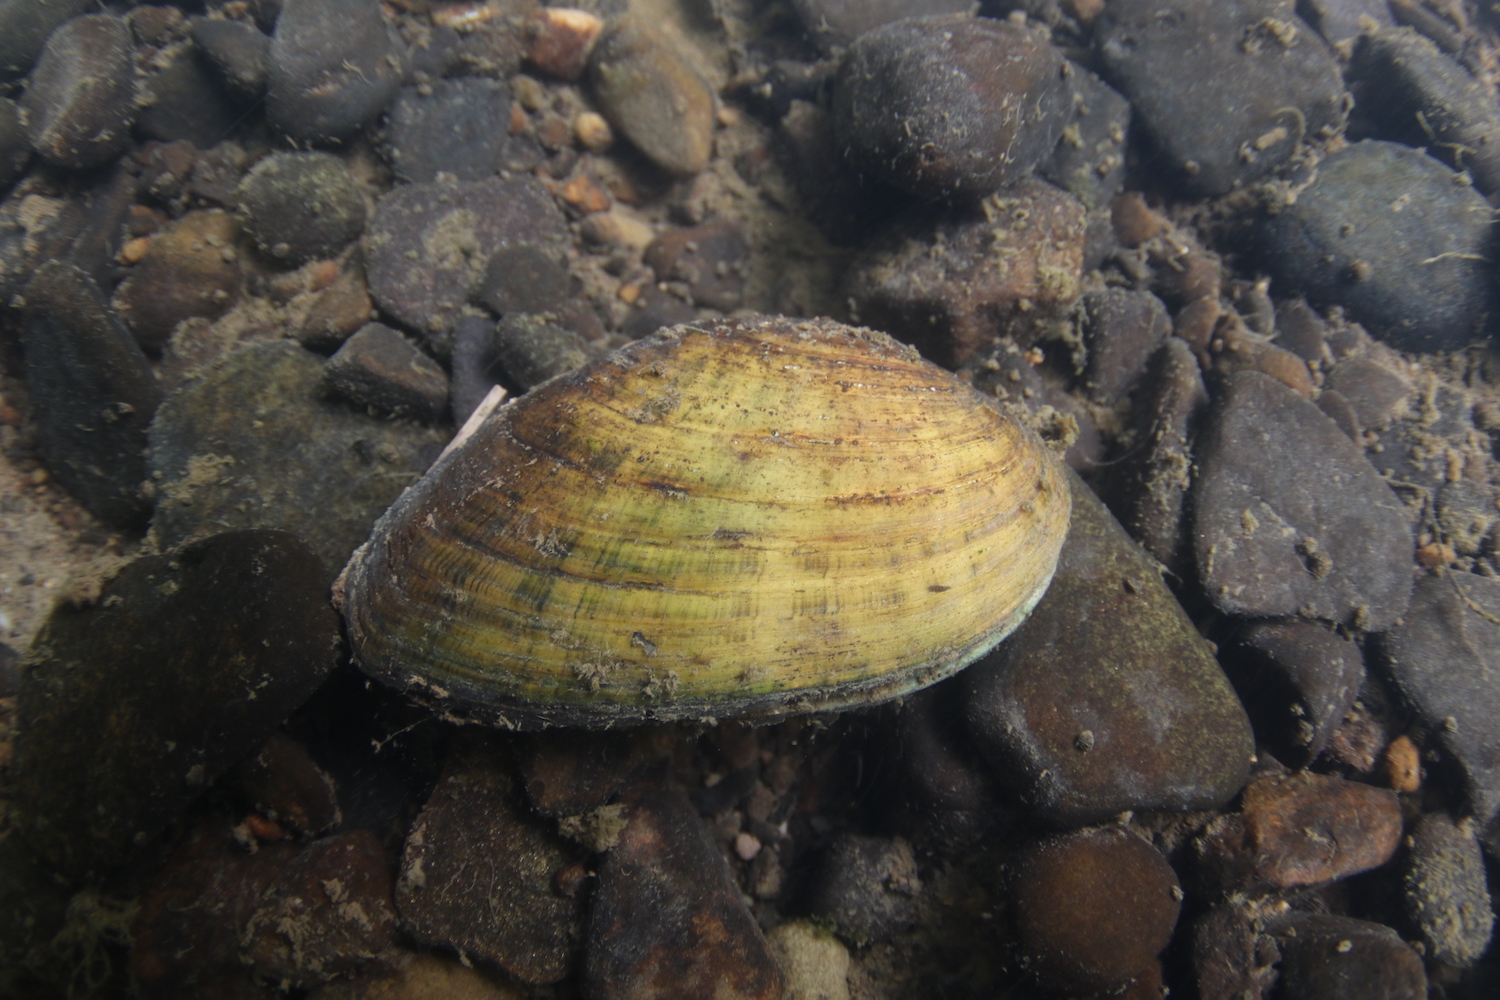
(746, 518)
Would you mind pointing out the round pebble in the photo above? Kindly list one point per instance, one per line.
(334, 65)
(951, 105)
(1094, 908)
(298, 206)
(1395, 238)
(653, 96)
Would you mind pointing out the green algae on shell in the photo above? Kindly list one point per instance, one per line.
(744, 518)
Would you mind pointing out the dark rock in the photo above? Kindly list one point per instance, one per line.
(1377, 394)
(185, 101)
(186, 934)
(475, 372)
(217, 172)
(84, 228)
(653, 96)
(833, 24)
(189, 270)
(334, 67)
(298, 206)
(1089, 159)
(240, 53)
(708, 258)
(459, 127)
(654, 310)
(254, 443)
(868, 888)
(533, 347)
(165, 169)
(951, 105)
(1093, 908)
(15, 148)
(379, 368)
(480, 873)
(1317, 533)
(1153, 484)
(427, 244)
(1444, 658)
(1328, 957)
(1107, 698)
(1338, 409)
(573, 773)
(523, 279)
(1446, 895)
(168, 705)
(80, 102)
(846, 206)
(952, 281)
(944, 801)
(325, 914)
(92, 394)
(1230, 957)
(1298, 680)
(1301, 330)
(33, 912)
(282, 782)
(1342, 20)
(25, 26)
(1238, 349)
(1394, 237)
(1226, 88)
(1429, 442)
(1300, 830)
(1411, 93)
(1121, 329)
(667, 917)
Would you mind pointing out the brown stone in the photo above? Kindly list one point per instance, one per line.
(282, 781)
(668, 919)
(189, 270)
(559, 40)
(952, 281)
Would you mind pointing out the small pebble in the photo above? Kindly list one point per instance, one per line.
(709, 258)
(379, 368)
(15, 147)
(1391, 235)
(523, 279)
(559, 40)
(816, 963)
(1446, 892)
(189, 270)
(1121, 329)
(283, 782)
(1378, 392)
(298, 206)
(534, 347)
(1298, 680)
(951, 105)
(868, 887)
(1093, 908)
(239, 51)
(339, 310)
(653, 96)
(419, 976)
(80, 102)
(334, 67)
(593, 132)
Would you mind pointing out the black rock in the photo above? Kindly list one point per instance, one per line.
(1315, 533)
(533, 347)
(833, 24)
(84, 229)
(1395, 238)
(379, 368)
(254, 442)
(1227, 89)
(93, 394)
(1444, 658)
(1446, 895)
(137, 703)
(334, 67)
(1121, 329)
(460, 127)
(868, 887)
(282, 782)
(80, 102)
(185, 100)
(1151, 490)
(951, 105)
(298, 206)
(1107, 698)
(667, 916)
(944, 801)
(24, 28)
(427, 244)
(480, 873)
(1328, 957)
(523, 279)
(1298, 680)
(240, 53)
(1089, 159)
(475, 372)
(1411, 93)
(15, 148)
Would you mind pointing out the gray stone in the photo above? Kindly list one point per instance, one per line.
(1446, 893)
(80, 102)
(240, 52)
(24, 28)
(299, 206)
(460, 127)
(334, 67)
(1315, 533)
(1395, 238)
(1298, 680)
(833, 24)
(379, 368)
(1227, 89)
(868, 888)
(1089, 159)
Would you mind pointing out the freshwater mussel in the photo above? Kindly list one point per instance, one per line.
(744, 518)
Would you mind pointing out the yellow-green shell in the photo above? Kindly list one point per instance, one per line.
(737, 519)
